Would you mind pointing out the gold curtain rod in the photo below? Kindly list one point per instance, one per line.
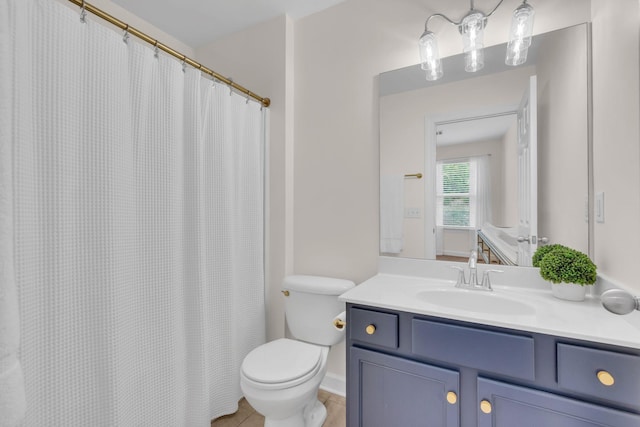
(123, 26)
(414, 175)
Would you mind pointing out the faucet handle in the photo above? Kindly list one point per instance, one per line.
(461, 279)
(486, 281)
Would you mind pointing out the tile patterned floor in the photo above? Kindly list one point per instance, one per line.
(247, 417)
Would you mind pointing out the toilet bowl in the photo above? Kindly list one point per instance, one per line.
(280, 379)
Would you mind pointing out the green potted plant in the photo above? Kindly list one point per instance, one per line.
(569, 271)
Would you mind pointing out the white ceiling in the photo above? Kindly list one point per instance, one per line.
(198, 22)
(474, 130)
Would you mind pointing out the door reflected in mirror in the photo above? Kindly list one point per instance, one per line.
(475, 178)
(464, 137)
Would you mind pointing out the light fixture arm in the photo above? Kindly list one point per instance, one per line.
(496, 8)
(457, 24)
(426, 23)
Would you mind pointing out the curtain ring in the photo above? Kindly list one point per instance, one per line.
(83, 13)
(125, 37)
(157, 51)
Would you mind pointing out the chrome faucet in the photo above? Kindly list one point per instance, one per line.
(473, 271)
(472, 283)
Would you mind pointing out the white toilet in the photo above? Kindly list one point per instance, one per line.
(280, 379)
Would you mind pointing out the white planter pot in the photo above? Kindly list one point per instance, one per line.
(569, 291)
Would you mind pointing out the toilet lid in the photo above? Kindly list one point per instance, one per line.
(281, 361)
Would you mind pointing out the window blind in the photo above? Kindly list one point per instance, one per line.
(453, 194)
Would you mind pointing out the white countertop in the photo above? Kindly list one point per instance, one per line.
(586, 320)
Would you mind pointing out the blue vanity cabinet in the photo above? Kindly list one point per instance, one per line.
(411, 370)
(392, 391)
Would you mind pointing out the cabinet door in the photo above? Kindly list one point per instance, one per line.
(389, 391)
(504, 405)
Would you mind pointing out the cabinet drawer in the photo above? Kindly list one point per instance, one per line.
(373, 327)
(579, 368)
(490, 351)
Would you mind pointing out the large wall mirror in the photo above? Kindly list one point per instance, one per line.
(495, 161)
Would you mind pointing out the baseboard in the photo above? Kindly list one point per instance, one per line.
(335, 384)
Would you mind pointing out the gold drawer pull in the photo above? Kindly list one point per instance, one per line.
(485, 406)
(452, 397)
(370, 329)
(605, 378)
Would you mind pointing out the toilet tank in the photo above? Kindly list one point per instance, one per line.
(311, 305)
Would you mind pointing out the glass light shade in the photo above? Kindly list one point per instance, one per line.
(516, 56)
(520, 35)
(472, 30)
(429, 56)
(474, 60)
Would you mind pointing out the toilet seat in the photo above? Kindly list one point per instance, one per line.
(282, 363)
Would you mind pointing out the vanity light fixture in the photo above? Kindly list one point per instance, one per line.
(520, 34)
(471, 27)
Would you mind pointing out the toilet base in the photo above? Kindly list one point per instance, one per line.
(313, 415)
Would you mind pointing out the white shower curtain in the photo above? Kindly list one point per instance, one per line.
(138, 226)
(481, 190)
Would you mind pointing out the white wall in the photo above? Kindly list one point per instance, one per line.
(261, 59)
(616, 134)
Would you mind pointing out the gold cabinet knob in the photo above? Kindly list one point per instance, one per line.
(370, 329)
(485, 406)
(605, 378)
(339, 324)
(452, 397)
(286, 293)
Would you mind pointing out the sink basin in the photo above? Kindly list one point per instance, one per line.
(476, 301)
